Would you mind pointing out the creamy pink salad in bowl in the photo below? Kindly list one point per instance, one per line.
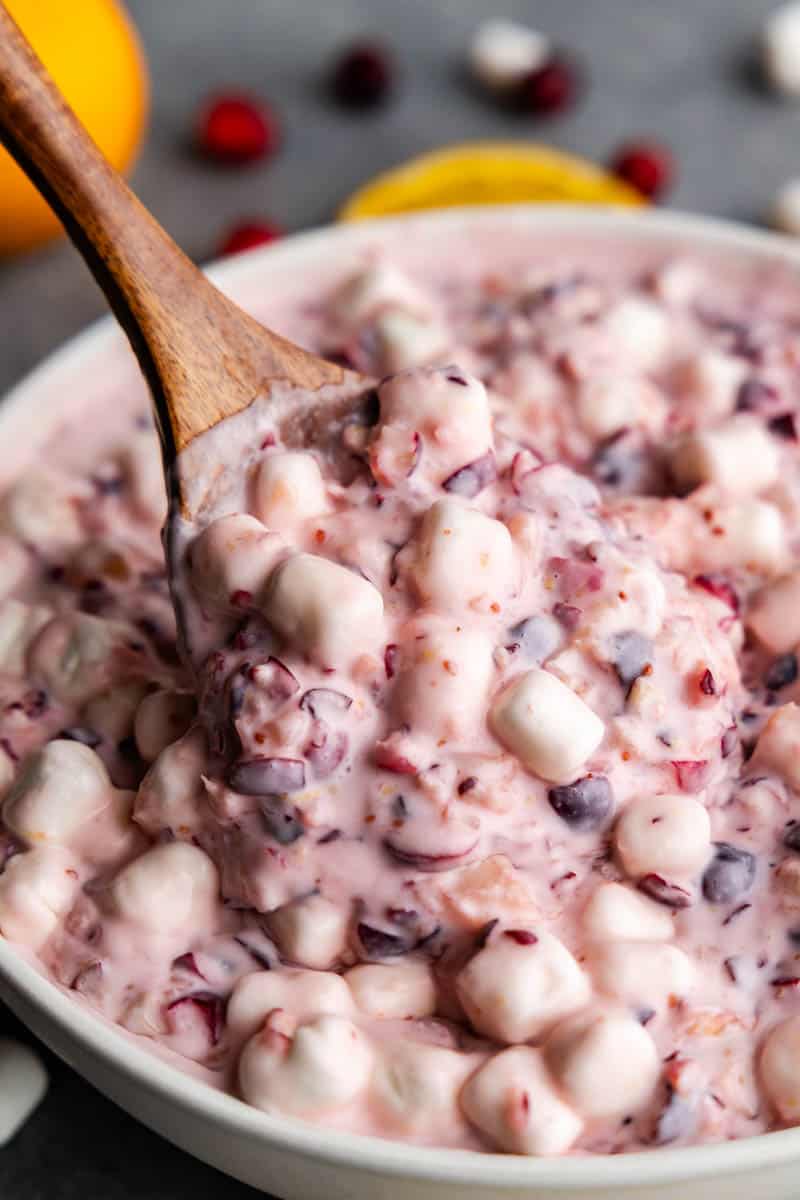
(461, 809)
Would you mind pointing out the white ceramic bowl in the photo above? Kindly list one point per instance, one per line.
(286, 1157)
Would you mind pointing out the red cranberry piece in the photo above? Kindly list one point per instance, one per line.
(248, 235)
(729, 741)
(388, 759)
(707, 685)
(188, 962)
(363, 76)
(390, 656)
(568, 615)
(471, 479)
(210, 1007)
(718, 586)
(523, 937)
(690, 775)
(267, 776)
(237, 129)
(664, 892)
(632, 653)
(377, 943)
(781, 673)
(325, 702)
(584, 805)
(646, 166)
(549, 89)
(729, 874)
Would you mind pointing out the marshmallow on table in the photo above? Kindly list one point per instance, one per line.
(778, 745)
(514, 1102)
(324, 1066)
(549, 728)
(773, 613)
(606, 1063)
(502, 53)
(644, 974)
(59, 789)
(739, 457)
(515, 989)
(617, 913)
(666, 835)
(161, 718)
(231, 561)
(172, 887)
(780, 48)
(310, 931)
(395, 991)
(779, 1068)
(463, 558)
(23, 1083)
(303, 994)
(289, 489)
(37, 889)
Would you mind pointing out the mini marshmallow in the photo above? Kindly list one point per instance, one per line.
(606, 405)
(747, 534)
(407, 341)
(393, 991)
(514, 990)
(37, 890)
(642, 974)
(443, 686)
(304, 994)
(786, 208)
(325, 610)
(172, 887)
(606, 1062)
(502, 53)
(664, 835)
(373, 290)
(167, 795)
(711, 381)
(161, 718)
(19, 625)
(416, 1085)
(780, 49)
(639, 330)
(463, 558)
(231, 561)
(549, 728)
(112, 713)
(779, 1068)
(57, 791)
(617, 913)
(740, 458)
(23, 1083)
(15, 563)
(323, 1067)
(288, 490)
(773, 613)
(38, 512)
(78, 655)
(514, 1102)
(310, 931)
(778, 745)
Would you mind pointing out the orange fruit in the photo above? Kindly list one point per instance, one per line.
(92, 51)
(488, 173)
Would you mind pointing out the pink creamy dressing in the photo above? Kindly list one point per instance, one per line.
(472, 821)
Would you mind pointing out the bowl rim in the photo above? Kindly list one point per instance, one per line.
(23, 986)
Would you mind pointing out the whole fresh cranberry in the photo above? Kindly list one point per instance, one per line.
(248, 235)
(363, 75)
(234, 128)
(646, 166)
(549, 89)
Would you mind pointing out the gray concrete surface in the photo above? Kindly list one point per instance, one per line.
(676, 68)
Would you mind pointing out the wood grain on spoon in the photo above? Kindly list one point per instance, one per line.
(203, 357)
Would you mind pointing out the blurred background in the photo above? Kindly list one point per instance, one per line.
(668, 93)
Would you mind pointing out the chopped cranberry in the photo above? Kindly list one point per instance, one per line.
(363, 76)
(707, 685)
(646, 166)
(719, 587)
(188, 962)
(248, 235)
(389, 759)
(781, 673)
(209, 1006)
(523, 937)
(235, 128)
(584, 805)
(690, 775)
(390, 660)
(467, 785)
(549, 89)
(664, 892)
(729, 874)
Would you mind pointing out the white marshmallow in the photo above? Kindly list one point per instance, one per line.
(304, 994)
(231, 561)
(711, 381)
(513, 992)
(112, 713)
(753, 537)
(23, 1083)
(463, 558)
(513, 1100)
(616, 913)
(37, 890)
(606, 1062)
(779, 1068)
(778, 745)
(325, 610)
(780, 47)
(640, 331)
(786, 208)
(323, 1067)
(606, 405)
(415, 1086)
(167, 795)
(15, 563)
(665, 835)
(740, 458)
(393, 991)
(443, 686)
(78, 655)
(289, 489)
(406, 340)
(372, 290)
(773, 613)
(161, 718)
(310, 931)
(38, 511)
(549, 728)
(645, 974)
(502, 53)
(169, 888)
(58, 790)
(19, 625)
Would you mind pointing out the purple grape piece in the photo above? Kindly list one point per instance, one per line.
(791, 838)
(781, 672)
(664, 892)
(729, 875)
(267, 776)
(325, 702)
(378, 943)
(585, 805)
(284, 824)
(536, 637)
(472, 478)
(631, 652)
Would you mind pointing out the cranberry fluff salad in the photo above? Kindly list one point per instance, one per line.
(468, 812)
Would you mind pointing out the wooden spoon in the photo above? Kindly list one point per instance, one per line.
(203, 357)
